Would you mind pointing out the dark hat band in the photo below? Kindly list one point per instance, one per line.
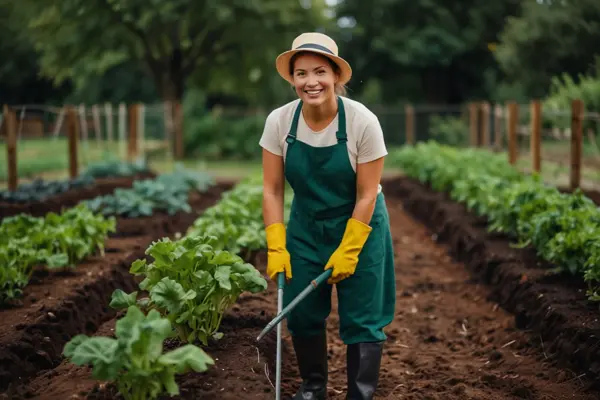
(315, 47)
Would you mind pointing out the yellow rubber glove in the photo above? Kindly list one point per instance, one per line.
(278, 257)
(345, 258)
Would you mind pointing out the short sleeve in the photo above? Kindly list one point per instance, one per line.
(270, 136)
(371, 146)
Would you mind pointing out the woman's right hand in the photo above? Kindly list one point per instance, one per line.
(278, 256)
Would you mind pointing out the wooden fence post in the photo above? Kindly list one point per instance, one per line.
(576, 142)
(473, 124)
(485, 124)
(9, 127)
(410, 124)
(73, 138)
(498, 114)
(513, 119)
(132, 143)
(536, 139)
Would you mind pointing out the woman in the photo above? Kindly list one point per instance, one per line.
(330, 149)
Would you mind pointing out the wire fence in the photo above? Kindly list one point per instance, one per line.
(42, 137)
(535, 139)
(105, 132)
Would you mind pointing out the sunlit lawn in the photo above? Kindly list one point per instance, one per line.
(49, 158)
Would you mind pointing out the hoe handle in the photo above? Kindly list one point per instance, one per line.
(313, 285)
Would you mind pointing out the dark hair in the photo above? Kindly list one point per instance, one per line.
(339, 88)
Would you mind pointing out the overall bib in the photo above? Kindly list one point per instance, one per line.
(324, 185)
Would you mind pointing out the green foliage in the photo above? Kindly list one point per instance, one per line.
(220, 135)
(565, 89)
(192, 283)
(115, 168)
(217, 43)
(438, 53)
(564, 229)
(449, 130)
(40, 189)
(547, 40)
(167, 193)
(135, 359)
(236, 221)
(55, 241)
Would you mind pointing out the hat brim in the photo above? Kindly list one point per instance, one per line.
(282, 63)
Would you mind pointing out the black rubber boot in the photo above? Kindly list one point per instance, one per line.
(311, 353)
(363, 362)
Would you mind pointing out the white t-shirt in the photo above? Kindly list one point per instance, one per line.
(365, 136)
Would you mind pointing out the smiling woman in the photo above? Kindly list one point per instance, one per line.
(330, 149)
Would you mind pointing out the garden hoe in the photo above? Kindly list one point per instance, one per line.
(281, 314)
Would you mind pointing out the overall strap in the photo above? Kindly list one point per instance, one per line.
(291, 137)
(341, 133)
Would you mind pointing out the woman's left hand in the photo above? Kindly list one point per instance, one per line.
(345, 258)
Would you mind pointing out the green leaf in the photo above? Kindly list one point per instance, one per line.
(121, 300)
(187, 358)
(170, 295)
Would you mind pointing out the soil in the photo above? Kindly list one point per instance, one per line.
(59, 304)
(101, 187)
(451, 338)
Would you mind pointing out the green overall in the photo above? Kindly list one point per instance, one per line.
(324, 186)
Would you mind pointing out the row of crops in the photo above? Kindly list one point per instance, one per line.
(41, 189)
(563, 228)
(62, 240)
(185, 290)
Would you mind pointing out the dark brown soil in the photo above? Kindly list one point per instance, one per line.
(69, 199)
(562, 323)
(58, 305)
(450, 338)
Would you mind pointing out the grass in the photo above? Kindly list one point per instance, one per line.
(49, 158)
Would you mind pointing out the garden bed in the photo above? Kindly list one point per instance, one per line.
(447, 340)
(101, 187)
(243, 367)
(58, 305)
(553, 306)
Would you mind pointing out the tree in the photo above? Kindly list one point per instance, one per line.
(80, 40)
(434, 47)
(547, 39)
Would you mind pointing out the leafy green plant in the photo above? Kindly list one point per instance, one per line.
(55, 241)
(135, 359)
(449, 130)
(192, 284)
(115, 168)
(40, 189)
(236, 220)
(563, 228)
(167, 193)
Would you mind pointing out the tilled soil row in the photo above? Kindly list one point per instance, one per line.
(563, 326)
(244, 368)
(101, 187)
(59, 305)
(449, 340)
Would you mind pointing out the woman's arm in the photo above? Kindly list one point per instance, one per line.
(273, 188)
(368, 176)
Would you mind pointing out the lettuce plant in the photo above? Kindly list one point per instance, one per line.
(135, 359)
(192, 284)
(564, 229)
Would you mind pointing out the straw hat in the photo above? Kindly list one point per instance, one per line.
(316, 43)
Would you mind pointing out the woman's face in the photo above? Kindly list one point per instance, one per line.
(314, 79)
